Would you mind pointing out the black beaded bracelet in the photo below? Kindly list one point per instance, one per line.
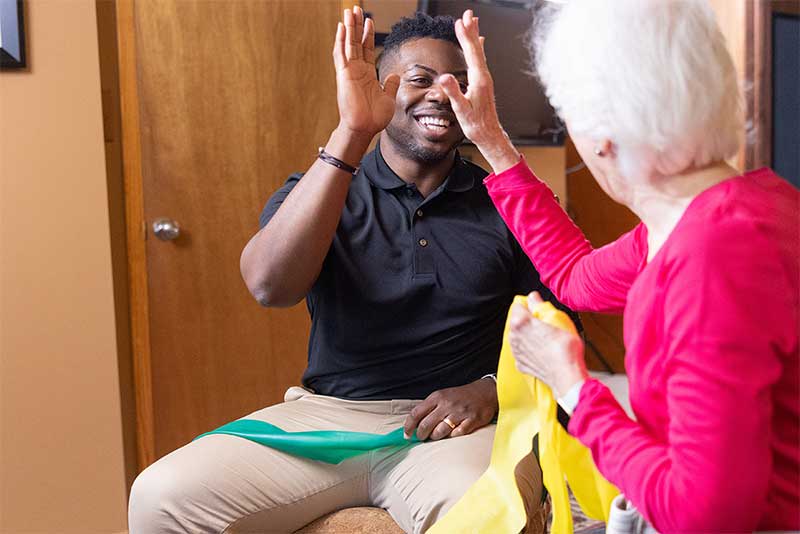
(336, 162)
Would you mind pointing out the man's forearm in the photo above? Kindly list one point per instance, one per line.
(282, 261)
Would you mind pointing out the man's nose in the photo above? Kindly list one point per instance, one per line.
(436, 92)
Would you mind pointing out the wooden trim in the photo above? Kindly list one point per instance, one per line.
(136, 232)
(758, 71)
(787, 7)
(109, 84)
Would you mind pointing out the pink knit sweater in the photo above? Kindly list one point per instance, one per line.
(711, 335)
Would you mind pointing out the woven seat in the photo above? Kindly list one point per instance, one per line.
(354, 521)
(367, 520)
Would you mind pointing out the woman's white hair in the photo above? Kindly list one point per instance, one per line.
(652, 76)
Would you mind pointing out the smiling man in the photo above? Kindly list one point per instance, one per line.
(408, 272)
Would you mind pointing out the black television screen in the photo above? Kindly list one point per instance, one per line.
(522, 105)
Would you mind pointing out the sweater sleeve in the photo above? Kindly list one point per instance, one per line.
(583, 278)
(724, 311)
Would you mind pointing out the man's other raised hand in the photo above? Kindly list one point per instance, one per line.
(475, 109)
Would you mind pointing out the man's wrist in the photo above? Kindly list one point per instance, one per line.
(344, 134)
(490, 382)
(347, 145)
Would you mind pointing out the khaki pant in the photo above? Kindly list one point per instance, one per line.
(227, 484)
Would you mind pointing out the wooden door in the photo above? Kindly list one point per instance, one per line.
(220, 102)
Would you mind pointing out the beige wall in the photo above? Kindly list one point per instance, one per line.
(61, 456)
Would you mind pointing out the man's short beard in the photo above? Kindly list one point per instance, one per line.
(408, 145)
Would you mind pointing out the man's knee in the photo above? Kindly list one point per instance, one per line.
(439, 481)
(156, 499)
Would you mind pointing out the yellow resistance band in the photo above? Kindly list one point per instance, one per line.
(493, 504)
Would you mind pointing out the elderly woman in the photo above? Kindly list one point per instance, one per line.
(708, 282)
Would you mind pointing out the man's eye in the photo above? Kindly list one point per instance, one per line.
(424, 82)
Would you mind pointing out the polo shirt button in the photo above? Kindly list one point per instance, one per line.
(419, 213)
(423, 242)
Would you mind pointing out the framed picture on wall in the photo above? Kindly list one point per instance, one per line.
(12, 35)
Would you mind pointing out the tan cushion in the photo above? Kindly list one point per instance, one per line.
(378, 521)
(354, 521)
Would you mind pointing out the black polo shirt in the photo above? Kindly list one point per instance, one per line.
(414, 292)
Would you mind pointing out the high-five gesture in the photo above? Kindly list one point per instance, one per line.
(365, 108)
(475, 109)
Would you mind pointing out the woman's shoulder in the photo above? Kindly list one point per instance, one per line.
(751, 209)
(737, 256)
(746, 227)
(759, 195)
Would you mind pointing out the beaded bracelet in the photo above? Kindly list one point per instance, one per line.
(336, 162)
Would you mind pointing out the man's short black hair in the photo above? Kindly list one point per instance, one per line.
(418, 26)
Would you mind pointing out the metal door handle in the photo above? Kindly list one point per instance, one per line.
(166, 229)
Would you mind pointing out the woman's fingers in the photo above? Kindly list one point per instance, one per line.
(534, 298)
(527, 339)
(519, 316)
(468, 36)
(460, 104)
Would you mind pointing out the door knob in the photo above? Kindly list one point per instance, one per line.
(166, 229)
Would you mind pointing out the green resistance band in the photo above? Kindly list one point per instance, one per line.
(330, 446)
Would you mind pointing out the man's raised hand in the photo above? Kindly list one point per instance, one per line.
(365, 108)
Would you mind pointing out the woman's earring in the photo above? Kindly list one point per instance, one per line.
(599, 152)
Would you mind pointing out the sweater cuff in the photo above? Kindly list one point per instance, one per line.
(516, 177)
(571, 398)
(590, 390)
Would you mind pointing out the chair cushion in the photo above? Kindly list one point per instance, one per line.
(367, 520)
(362, 520)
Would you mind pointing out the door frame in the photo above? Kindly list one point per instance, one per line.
(136, 232)
(758, 72)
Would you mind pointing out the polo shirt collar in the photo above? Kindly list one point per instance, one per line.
(381, 175)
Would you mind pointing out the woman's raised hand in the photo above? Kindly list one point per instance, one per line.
(365, 108)
(475, 109)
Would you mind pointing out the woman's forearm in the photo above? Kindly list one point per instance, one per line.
(579, 276)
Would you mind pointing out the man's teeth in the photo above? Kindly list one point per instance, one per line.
(434, 122)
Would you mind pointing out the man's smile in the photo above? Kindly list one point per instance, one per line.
(436, 122)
